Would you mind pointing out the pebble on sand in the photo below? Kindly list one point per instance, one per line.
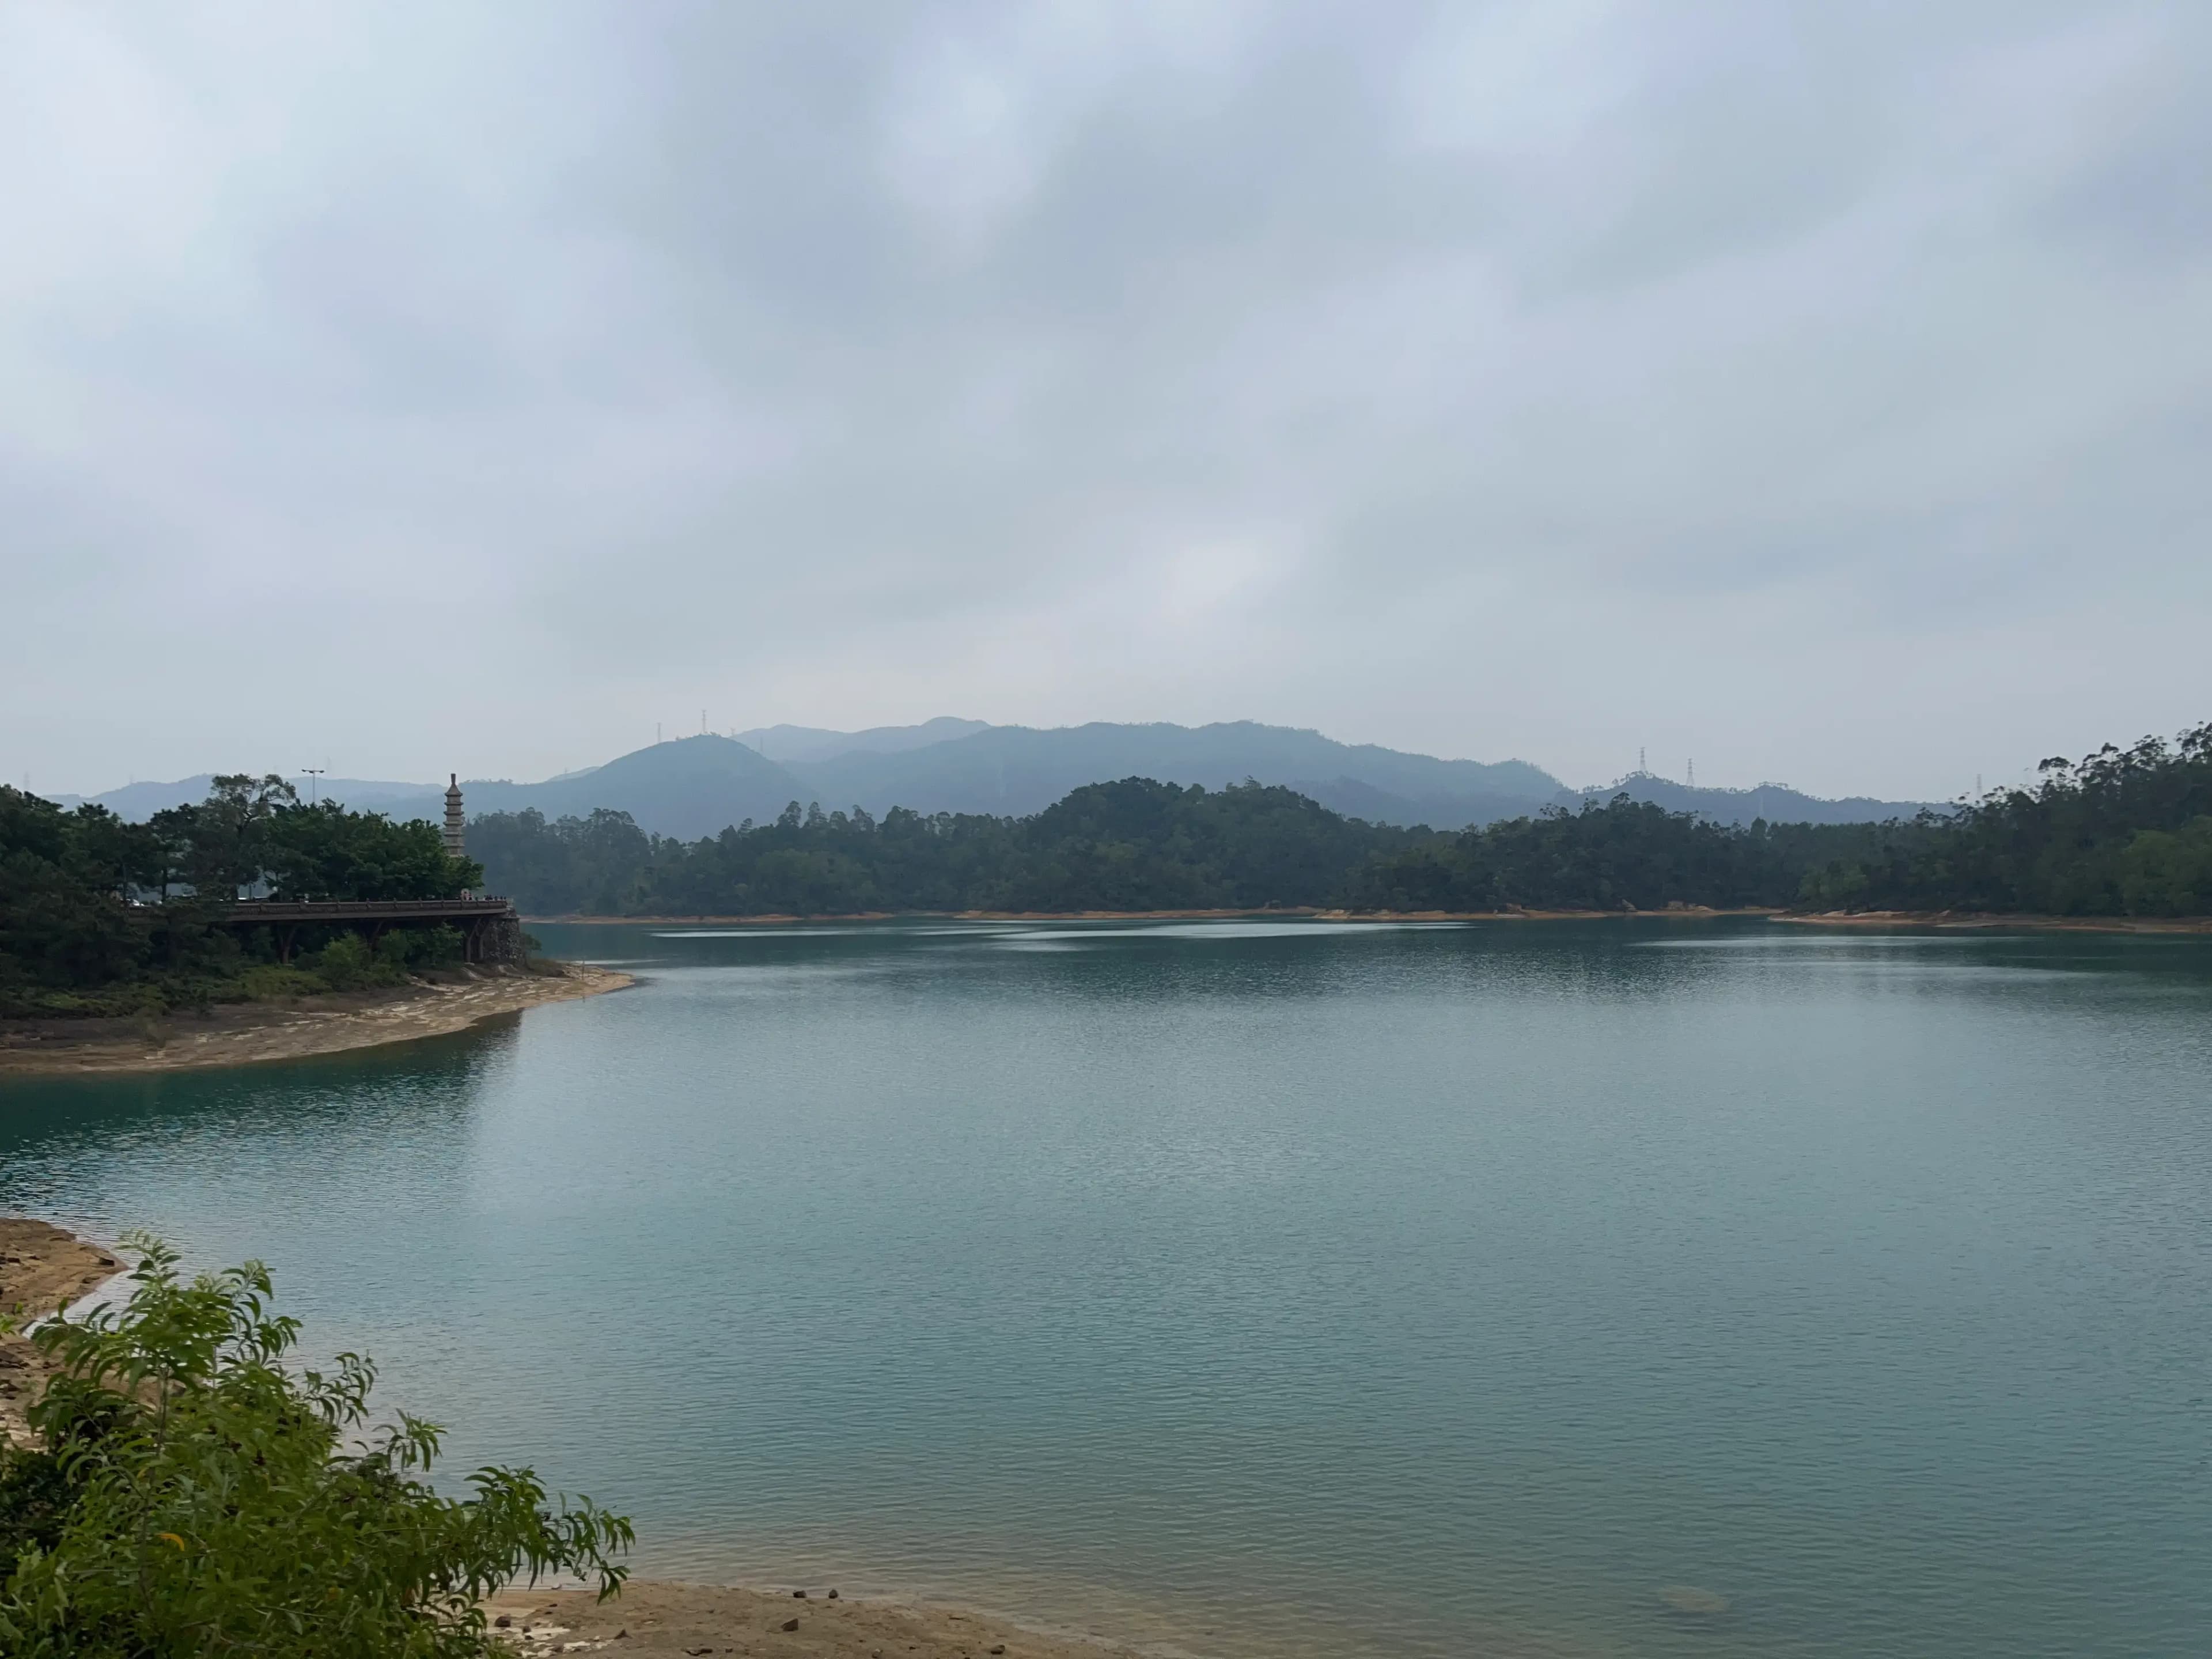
(1688, 1598)
(791, 1624)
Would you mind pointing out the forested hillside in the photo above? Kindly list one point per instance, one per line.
(2124, 832)
(1134, 845)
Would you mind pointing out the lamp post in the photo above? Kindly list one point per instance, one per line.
(314, 775)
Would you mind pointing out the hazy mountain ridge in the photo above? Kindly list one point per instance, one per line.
(1020, 770)
(788, 744)
(1357, 799)
(698, 786)
(1777, 803)
(687, 786)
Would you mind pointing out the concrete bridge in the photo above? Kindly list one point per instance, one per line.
(490, 929)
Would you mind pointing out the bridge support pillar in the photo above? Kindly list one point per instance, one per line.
(495, 941)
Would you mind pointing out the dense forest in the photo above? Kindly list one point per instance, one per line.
(99, 915)
(2123, 832)
(1134, 845)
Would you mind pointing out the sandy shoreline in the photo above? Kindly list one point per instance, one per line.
(1673, 913)
(1689, 912)
(780, 920)
(663, 1620)
(1945, 919)
(41, 1267)
(244, 1034)
(1967, 921)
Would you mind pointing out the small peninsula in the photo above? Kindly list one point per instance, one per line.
(250, 926)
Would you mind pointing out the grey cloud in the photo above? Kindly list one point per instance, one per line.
(1437, 375)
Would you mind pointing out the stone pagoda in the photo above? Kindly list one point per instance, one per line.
(455, 838)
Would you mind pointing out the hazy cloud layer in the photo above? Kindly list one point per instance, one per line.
(1823, 392)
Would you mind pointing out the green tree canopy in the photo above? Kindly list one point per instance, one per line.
(199, 1495)
(89, 903)
(326, 852)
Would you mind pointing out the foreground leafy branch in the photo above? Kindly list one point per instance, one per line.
(202, 1498)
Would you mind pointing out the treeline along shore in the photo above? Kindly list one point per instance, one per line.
(2123, 832)
(102, 916)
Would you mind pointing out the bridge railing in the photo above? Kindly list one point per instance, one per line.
(250, 910)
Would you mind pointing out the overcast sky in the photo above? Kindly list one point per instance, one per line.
(1822, 391)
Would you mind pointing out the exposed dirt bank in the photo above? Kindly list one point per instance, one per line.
(659, 1621)
(926, 915)
(41, 1267)
(1280, 912)
(1956, 919)
(1671, 912)
(240, 1034)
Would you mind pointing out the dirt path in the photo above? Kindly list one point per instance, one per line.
(42, 1267)
(243, 1034)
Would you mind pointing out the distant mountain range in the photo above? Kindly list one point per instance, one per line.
(697, 786)
(1775, 802)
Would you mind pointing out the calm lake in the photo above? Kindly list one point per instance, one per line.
(1288, 1287)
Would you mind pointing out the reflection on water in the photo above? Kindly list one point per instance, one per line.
(1276, 1287)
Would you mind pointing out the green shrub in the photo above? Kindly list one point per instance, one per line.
(2164, 874)
(268, 980)
(203, 1498)
(406, 949)
(441, 947)
(34, 1495)
(344, 963)
(140, 999)
(348, 964)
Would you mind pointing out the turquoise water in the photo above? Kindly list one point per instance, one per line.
(1283, 1288)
